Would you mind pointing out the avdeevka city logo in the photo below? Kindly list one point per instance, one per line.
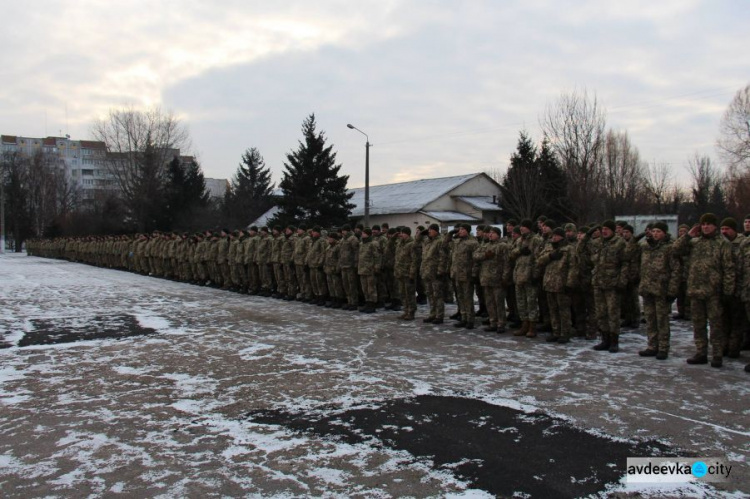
(699, 469)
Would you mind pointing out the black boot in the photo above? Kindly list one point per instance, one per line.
(614, 344)
(604, 345)
(698, 359)
(455, 317)
(396, 305)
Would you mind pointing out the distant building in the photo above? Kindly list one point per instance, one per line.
(639, 222)
(472, 199)
(217, 187)
(83, 160)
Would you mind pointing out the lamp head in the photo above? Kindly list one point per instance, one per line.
(349, 125)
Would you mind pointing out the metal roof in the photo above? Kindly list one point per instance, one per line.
(405, 197)
(450, 216)
(483, 203)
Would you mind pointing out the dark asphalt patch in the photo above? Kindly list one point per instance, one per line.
(69, 330)
(503, 451)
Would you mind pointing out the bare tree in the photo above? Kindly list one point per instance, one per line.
(734, 131)
(575, 126)
(140, 145)
(658, 183)
(707, 188)
(623, 179)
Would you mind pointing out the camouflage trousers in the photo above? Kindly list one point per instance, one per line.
(734, 324)
(527, 301)
(510, 297)
(278, 272)
(435, 289)
(335, 288)
(349, 283)
(266, 276)
(407, 289)
(465, 295)
(494, 298)
(253, 277)
(386, 285)
(318, 282)
(704, 312)
(656, 309)
(303, 279)
(290, 275)
(584, 310)
(607, 302)
(369, 287)
(559, 314)
(239, 278)
(543, 305)
(631, 305)
(226, 274)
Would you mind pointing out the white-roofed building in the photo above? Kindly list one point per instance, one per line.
(472, 199)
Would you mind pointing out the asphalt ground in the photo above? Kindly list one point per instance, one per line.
(117, 384)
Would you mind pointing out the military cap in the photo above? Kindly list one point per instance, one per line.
(291, 227)
(467, 227)
(334, 235)
(729, 222)
(367, 231)
(621, 223)
(392, 230)
(583, 229)
(570, 227)
(406, 230)
(434, 227)
(661, 226)
(541, 218)
(277, 227)
(516, 229)
(360, 227)
(496, 230)
(264, 229)
(316, 229)
(512, 221)
(609, 224)
(376, 227)
(527, 223)
(709, 218)
(747, 217)
(385, 226)
(346, 227)
(558, 231)
(420, 228)
(628, 227)
(684, 226)
(650, 225)
(302, 227)
(254, 228)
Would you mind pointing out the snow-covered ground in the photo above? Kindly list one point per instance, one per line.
(165, 414)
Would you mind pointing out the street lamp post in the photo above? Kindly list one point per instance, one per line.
(367, 174)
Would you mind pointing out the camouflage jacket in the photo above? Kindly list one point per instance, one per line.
(405, 260)
(263, 250)
(525, 270)
(251, 245)
(660, 270)
(331, 258)
(317, 252)
(494, 263)
(462, 258)
(633, 257)
(610, 266)
(369, 257)
(301, 247)
(435, 258)
(277, 242)
(711, 265)
(287, 249)
(349, 252)
(222, 250)
(556, 261)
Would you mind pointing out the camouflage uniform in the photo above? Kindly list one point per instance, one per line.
(525, 275)
(734, 318)
(263, 260)
(711, 277)
(631, 309)
(405, 272)
(433, 269)
(609, 279)
(556, 261)
(660, 281)
(301, 247)
(251, 265)
(287, 260)
(462, 271)
(494, 272)
(277, 242)
(314, 261)
(332, 271)
(369, 267)
(348, 255)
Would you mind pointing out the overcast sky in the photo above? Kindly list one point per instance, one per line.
(441, 87)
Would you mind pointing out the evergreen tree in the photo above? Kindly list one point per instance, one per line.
(249, 195)
(521, 185)
(554, 184)
(313, 191)
(185, 193)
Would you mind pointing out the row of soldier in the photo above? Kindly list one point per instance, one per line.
(569, 280)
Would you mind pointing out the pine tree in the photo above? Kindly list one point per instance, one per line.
(313, 191)
(554, 184)
(185, 192)
(521, 185)
(249, 195)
